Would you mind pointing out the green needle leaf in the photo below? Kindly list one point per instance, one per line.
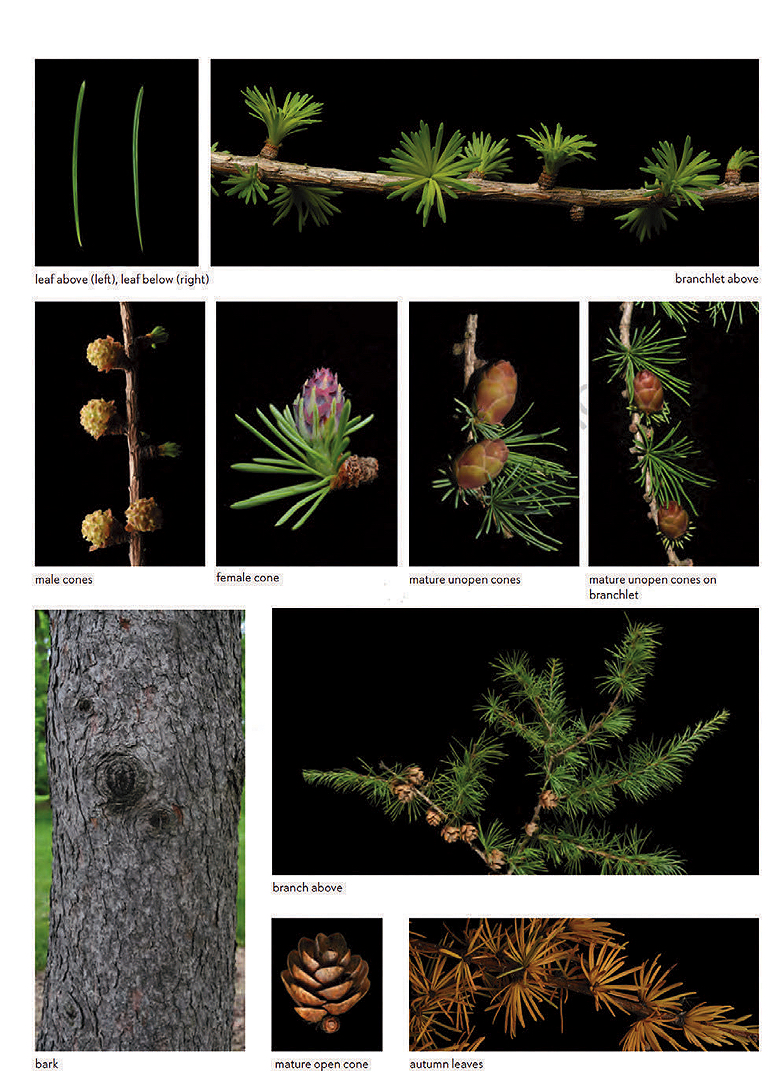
(135, 162)
(76, 133)
(276, 494)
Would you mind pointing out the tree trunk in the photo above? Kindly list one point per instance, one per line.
(146, 762)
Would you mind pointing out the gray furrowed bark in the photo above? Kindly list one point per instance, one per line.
(146, 765)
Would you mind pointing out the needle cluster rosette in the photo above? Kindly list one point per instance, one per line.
(312, 441)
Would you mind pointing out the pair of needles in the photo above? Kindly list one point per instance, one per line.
(135, 161)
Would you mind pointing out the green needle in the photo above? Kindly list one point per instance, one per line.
(135, 162)
(76, 132)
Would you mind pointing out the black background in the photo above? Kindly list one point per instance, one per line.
(541, 340)
(402, 684)
(716, 958)
(76, 474)
(361, 1027)
(625, 107)
(167, 153)
(721, 421)
(265, 354)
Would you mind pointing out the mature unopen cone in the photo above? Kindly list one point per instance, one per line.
(324, 979)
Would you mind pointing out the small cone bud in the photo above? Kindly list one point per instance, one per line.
(469, 833)
(96, 416)
(481, 463)
(143, 515)
(673, 520)
(415, 775)
(496, 392)
(451, 833)
(321, 391)
(433, 817)
(648, 394)
(99, 528)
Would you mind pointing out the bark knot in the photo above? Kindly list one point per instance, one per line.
(121, 780)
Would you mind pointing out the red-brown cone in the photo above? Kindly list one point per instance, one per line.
(496, 392)
(673, 520)
(481, 463)
(324, 979)
(648, 394)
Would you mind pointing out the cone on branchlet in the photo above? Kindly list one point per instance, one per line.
(325, 980)
(481, 463)
(105, 354)
(496, 859)
(673, 520)
(404, 792)
(143, 515)
(496, 392)
(97, 415)
(648, 394)
(100, 528)
(318, 408)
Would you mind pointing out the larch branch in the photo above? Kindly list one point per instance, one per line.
(514, 192)
(673, 559)
(132, 427)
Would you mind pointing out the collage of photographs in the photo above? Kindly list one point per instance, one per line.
(427, 395)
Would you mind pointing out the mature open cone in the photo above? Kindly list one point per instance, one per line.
(324, 979)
